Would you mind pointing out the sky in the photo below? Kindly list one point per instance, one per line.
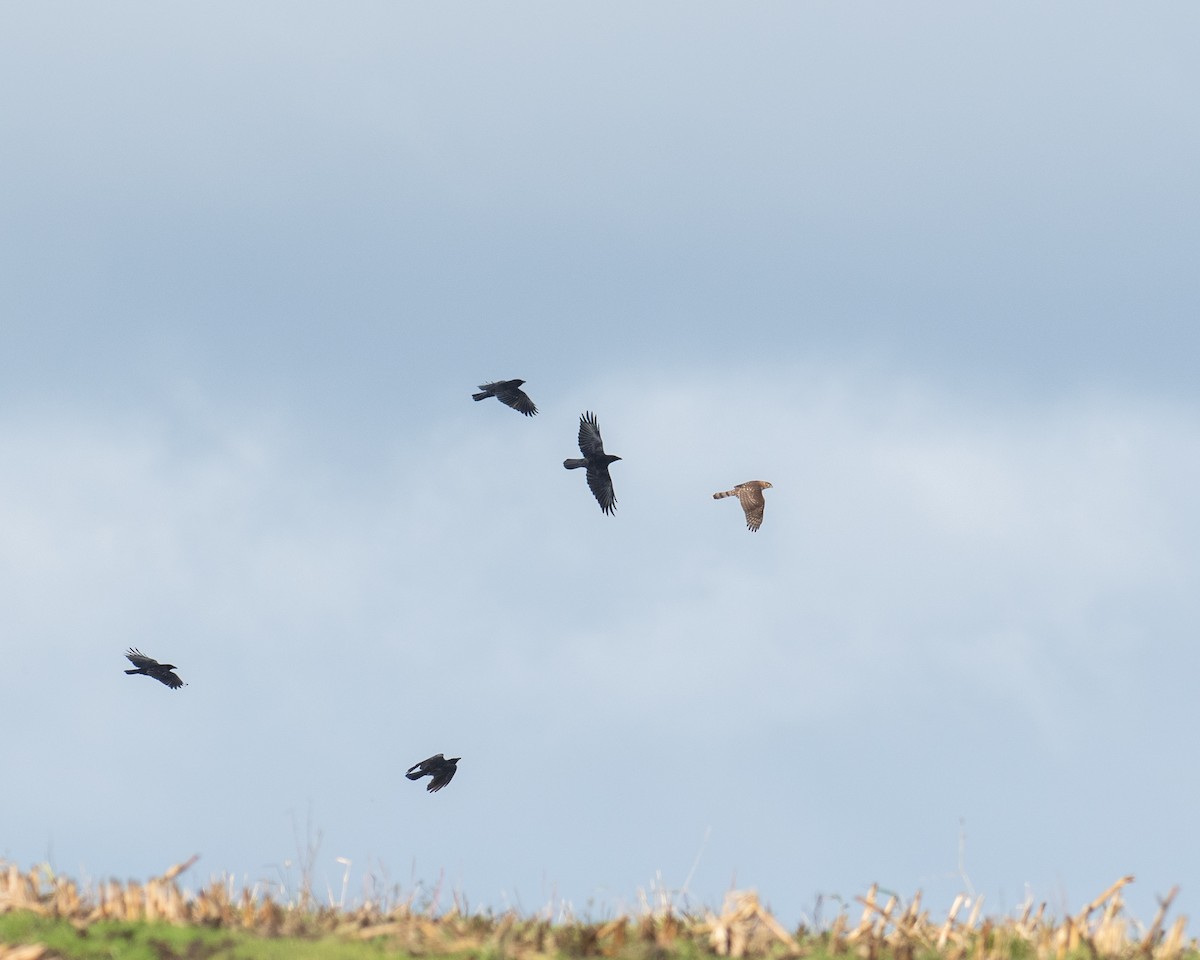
(928, 268)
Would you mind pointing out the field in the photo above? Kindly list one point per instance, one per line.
(43, 916)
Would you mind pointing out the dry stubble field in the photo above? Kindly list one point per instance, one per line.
(43, 916)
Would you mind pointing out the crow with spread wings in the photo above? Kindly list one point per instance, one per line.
(149, 667)
(438, 768)
(596, 461)
(509, 393)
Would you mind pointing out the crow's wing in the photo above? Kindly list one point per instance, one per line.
(513, 396)
(590, 444)
(168, 677)
(600, 482)
(442, 777)
(140, 660)
(426, 765)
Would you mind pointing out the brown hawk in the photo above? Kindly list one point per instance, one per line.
(440, 771)
(596, 461)
(750, 496)
(509, 393)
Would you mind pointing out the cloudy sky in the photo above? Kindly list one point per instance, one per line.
(928, 268)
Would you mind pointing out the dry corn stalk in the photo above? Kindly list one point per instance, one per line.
(744, 928)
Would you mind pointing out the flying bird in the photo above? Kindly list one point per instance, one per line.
(149, 667)
(750, 495)
(509, 393)
(596, 461)
(438, 767)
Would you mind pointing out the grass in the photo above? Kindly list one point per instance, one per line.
(124, 940)
(44, 916)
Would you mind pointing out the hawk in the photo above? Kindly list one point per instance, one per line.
(750, 495)
(438, 767)
(149, 667)
(596, 461)
(509, 393)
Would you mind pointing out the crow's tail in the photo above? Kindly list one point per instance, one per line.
(135, 671)
(414, 776)
(574, 464)
(480, 396)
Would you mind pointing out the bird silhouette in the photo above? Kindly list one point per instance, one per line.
(438, 767)
(509, 393)
(750, 494)
(148, 666)
(596, 461)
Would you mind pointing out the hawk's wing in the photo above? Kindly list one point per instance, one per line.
(590, 444)
(751, 498)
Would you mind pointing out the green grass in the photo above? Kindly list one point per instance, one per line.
(111, 940)
(120, 940)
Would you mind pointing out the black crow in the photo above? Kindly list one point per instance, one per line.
(509, 393)
(438, 767)
(148, 666)
(596, 461)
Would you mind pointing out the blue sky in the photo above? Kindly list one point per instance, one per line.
(929, 269)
